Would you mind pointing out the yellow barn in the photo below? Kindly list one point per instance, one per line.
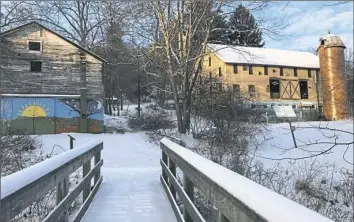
(269, 75)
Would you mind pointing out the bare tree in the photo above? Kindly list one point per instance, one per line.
(79, 21)
(14, 13)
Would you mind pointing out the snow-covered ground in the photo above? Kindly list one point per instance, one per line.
(311, 140)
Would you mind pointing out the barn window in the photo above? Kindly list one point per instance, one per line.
(36, 66)
(34, 46)
(209, 61)
(252, 90)
(295, 72)
(251, 70)
(235, 69)
(274, 88)
(245, 68)
(236, 88)
(281, 72)
(266, 70)
(309, 74)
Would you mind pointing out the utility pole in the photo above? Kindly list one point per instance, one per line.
(1, 124)
(83, 94)
(138, 89)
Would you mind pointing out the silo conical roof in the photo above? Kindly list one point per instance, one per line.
(331, 40)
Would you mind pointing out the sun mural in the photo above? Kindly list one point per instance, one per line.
(34, 110)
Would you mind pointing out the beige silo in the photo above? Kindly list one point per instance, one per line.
(333, 79)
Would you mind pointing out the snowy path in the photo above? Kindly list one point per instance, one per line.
(131, 190)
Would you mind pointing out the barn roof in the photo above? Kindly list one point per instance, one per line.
(264, 56)
(55, 33)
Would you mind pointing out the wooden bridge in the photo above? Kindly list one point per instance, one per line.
(126, 193)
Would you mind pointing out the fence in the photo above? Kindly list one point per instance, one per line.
(235, 197)
(21, 189)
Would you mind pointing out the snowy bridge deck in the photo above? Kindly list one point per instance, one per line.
(131, 190)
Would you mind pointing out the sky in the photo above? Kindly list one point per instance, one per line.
(308, 21)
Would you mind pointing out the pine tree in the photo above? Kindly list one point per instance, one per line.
(218, 33)
(243, 29)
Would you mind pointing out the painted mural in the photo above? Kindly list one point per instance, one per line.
(49, 115)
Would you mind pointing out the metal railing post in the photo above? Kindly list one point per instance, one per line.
(71, 141)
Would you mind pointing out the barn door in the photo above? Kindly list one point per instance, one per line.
(289, 89)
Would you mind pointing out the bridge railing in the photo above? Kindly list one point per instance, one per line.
(21, 189)
(236, 198)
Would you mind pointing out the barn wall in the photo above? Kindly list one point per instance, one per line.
(60, 65)
(31, 115)
(260, 80)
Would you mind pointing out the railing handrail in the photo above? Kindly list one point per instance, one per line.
(236, 197)
(22, 188)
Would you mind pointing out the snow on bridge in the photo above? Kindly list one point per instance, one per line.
(131, 190)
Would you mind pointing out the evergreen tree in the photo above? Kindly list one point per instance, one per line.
(218, 33)
(243, 29)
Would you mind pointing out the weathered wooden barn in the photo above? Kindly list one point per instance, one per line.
(49, 84)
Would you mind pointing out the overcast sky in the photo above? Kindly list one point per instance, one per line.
(311, 20)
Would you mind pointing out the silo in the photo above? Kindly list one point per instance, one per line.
(333, 79)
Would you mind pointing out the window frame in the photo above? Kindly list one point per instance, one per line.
(33, 41)
(235, 66)
(236, 88)
(309, 74)
(35, 61)
(250, 70)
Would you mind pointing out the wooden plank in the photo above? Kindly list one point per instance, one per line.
(173, 203)
(88, 201)
(66, 202)
(62, 192)
(172, 167)
(222, 218)
(164, 159)
(189, 189)
(87, 187)
(97, 160)
(15, 203)
(188, 204)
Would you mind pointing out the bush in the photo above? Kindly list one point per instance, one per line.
(154, 118)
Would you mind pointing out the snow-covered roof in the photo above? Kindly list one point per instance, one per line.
(265, 56)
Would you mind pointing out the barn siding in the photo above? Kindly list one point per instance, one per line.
(60, 65)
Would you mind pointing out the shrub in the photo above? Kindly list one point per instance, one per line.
(154, 118)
